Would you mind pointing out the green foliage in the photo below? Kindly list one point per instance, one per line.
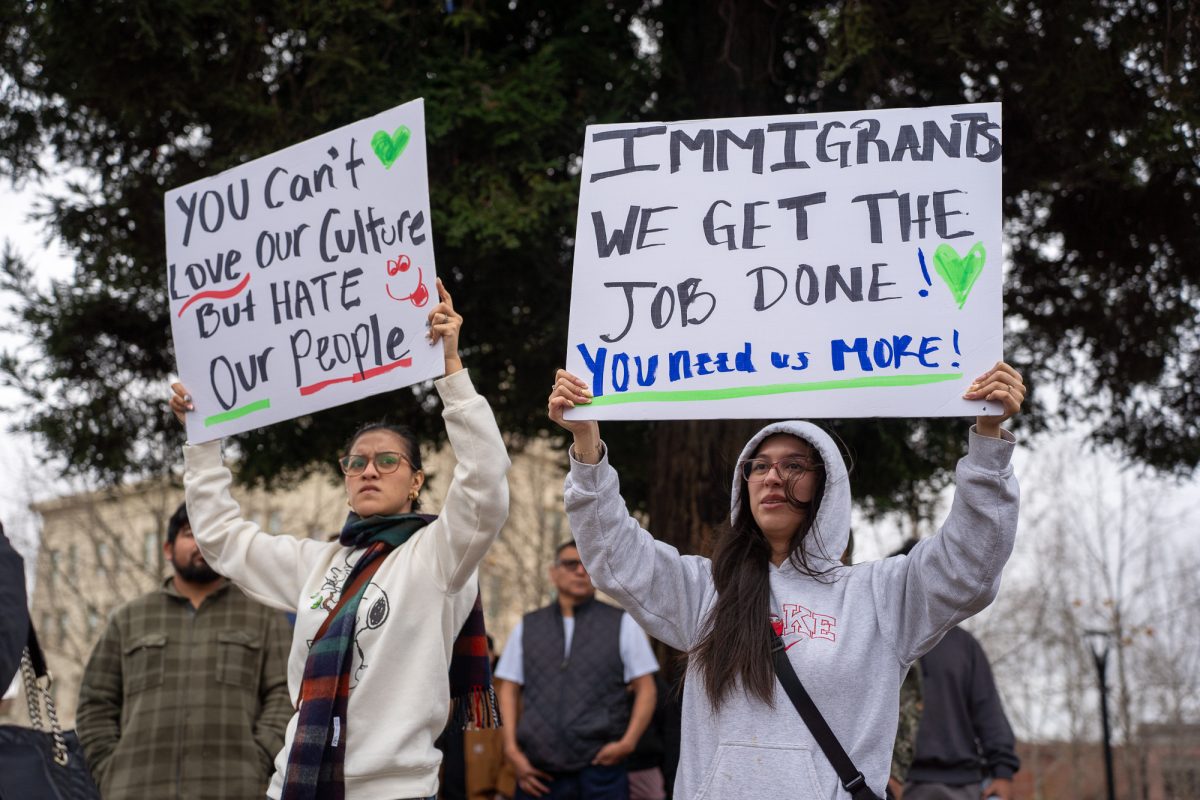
(1101, 168)
(1101, 174)
(150, 95)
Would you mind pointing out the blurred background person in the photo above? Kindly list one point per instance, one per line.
(185, 694)
(964, 738)
(566, 667)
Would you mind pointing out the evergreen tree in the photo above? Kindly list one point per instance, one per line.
(1102, 210)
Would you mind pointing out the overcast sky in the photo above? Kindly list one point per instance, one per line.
(18, 478)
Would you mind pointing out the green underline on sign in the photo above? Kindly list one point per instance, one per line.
(234, 413)
(735, 392)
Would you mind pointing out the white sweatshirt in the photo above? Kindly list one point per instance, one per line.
(850, 638)
(409, 617)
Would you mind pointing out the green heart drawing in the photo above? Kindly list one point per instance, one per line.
(959, 272)
(389, 148)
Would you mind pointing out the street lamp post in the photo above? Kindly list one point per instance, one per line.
(1099, 642)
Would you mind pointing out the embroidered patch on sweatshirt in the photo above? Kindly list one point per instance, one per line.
(799, 624)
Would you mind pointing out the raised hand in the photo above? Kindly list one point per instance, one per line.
(1001, 384)
(444, 326)
(180, 402)
(567, 391)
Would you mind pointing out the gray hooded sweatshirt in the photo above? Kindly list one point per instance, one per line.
(851, 636)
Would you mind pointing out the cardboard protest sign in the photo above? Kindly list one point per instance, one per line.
(814, 265)
(302, 280)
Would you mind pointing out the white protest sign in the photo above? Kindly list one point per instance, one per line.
(818, 265)
(302, 280)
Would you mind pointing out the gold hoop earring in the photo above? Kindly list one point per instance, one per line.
(413, 494)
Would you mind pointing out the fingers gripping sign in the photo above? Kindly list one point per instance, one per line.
(566, 392)
(444, 325)
(1001, 384)
(180, 402)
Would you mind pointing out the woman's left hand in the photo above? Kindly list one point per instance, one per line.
(1001, 384)
(444, 326)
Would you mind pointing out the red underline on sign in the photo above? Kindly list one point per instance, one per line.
(224, 294)
(313, 388)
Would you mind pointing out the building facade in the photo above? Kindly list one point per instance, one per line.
(101, 549)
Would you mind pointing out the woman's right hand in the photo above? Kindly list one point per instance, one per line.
(180, 402)
(567, 392)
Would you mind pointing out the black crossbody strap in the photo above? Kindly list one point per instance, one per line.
(36, 657)
(852, 779)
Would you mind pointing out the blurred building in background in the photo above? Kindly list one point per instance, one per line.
(1169, 762)
(100, 549)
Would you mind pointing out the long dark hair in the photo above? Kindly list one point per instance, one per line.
(412, 446)
(736, 640)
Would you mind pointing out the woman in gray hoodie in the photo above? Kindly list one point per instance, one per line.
(850, 632)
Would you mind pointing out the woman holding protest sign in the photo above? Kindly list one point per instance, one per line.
(775, 601)
(389, 631)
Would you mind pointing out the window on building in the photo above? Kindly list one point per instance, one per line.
(150, 549)
(55, 566)
(275, 522)
(103, 553)
(553, 520)
(93, 621)
(1181, 780)
(72, 560)
(63, 625)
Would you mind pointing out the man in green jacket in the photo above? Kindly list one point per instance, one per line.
(185, 695)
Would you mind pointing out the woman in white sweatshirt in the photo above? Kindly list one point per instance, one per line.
(377, 612)
(850, 633)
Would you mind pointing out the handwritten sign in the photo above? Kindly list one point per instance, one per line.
(821, 265)
(303, 280)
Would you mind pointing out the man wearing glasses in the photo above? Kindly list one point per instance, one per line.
(570, 667)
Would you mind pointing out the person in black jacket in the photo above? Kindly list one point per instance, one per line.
(14, 611)
(964, 736)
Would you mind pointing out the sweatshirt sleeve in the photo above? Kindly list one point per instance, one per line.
(476, 505)
(956, 573)
(664, 591)
(270, 569)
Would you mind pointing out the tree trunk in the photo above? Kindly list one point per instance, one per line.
(692, 469)
(721, 69)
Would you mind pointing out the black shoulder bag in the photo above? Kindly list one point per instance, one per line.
(852, 779)
(39, 763)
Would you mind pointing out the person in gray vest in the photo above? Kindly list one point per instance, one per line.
(570, 668)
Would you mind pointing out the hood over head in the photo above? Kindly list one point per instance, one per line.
(832, 526)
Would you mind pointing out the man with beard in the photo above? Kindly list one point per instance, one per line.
(186, 692)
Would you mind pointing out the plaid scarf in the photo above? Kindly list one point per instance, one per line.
(316, 762)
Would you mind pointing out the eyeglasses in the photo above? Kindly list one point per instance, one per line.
(791, 468)
(570, 564)
(385, 463)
